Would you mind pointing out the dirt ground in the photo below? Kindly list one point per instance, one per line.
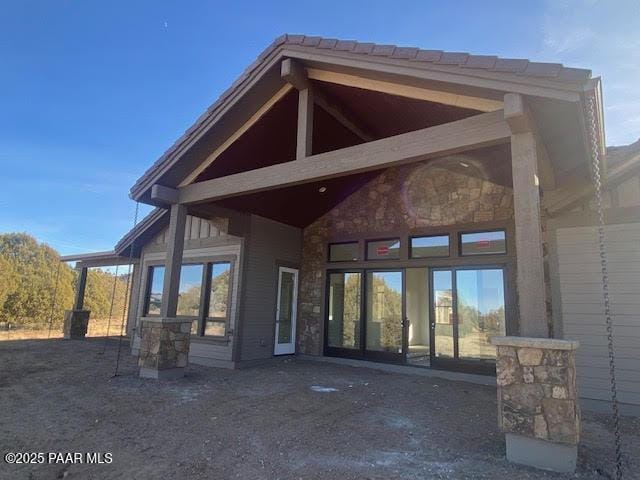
(278, 421)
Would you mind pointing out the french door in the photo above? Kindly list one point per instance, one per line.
(286, 311)
(365, 314)
(467, 309)
(440, 317)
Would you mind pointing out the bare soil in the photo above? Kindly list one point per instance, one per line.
(288, 419)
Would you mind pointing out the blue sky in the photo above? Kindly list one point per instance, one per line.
(93, 92)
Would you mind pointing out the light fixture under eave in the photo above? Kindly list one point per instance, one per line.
(322, 189)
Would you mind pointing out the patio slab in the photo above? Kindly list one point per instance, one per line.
(289, 419)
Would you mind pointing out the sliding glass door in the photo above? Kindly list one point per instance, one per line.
(365, 314)
(468, 308)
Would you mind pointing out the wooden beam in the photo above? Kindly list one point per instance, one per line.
(473, 132)
(409, 91)
(292, 72)
(369, 66)
(173, 263)
(339, 113)
(237, 134)
(163, 196)
(304, 139)
(529, 257)
(520, 120)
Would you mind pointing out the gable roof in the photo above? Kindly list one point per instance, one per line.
(521, 68)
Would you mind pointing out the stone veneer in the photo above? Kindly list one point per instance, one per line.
(164, 347)
(401, 199)
(75, 324)
(537, 395)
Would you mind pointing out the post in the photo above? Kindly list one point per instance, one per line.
(164, 340)
(538, 401)
(526, 203)
(80, 289)
(76, 320)
(305, 123)
(175, 248)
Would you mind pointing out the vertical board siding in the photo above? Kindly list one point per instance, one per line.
(197, 228)
(270, 242)
(582, 306)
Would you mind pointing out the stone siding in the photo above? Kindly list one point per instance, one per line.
(537, 393)
(164, 344)
(401, 199)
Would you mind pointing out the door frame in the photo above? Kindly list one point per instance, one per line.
(286, 348)
(465, 365)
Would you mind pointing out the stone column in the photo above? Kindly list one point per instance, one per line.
(537, 401)
(76, 320)
(164, 340)
(164, 347)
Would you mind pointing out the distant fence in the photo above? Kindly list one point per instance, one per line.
(97, 328)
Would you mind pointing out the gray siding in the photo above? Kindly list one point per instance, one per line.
(582, 307)
(269, 245)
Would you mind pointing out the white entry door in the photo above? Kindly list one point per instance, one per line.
(286, 311)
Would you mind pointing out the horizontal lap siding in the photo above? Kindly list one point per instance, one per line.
(582, 306)
(269, 243)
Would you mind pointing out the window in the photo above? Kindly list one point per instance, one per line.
(190, 290)
(154, 291)
(383, 249)
(203, 294)
(483, 243)
(432, 246)
(218, 308)
(343, 252)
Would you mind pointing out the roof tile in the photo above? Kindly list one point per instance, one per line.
(511, 65)
(311, 41)
(327, 43)
(364, 48)
(428, 55)
(574, 74)
(345, 45)
(295, 39)
(538, 69)
(453, 58)
(480, 61)
(383, 50)
(405, 52)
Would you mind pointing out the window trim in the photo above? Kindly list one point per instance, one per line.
(348, 242)
(486, 230)
(371, 240)
(205, 300)
(147, 293)
(446, 234)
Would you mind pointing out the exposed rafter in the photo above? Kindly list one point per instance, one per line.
(293, 73)
(409, 91)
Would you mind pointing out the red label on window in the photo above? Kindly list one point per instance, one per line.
(382, 251)
(483, 244)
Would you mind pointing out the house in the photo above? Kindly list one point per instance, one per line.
(389, 204)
